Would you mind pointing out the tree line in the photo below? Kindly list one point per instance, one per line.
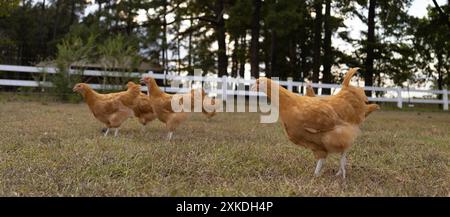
(281, 38)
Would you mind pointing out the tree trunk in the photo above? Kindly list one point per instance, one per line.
(242, 58)
(273, 55)
(317, 40)
(293, 62)
(129, 25)
(179, 53)
(58, 17)
(293, 59)
(189, 54)
(221, 53)
(440, 80)
(164, 44)
(304, 54)
(327, 62)
(116, 20)
(234, 58)
(220, 32)
(99, 12)
(72, 14)
(368, 75)
(266, 54)
(43, 46)
(254, 46)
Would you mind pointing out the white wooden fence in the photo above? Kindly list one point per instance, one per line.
(398, 95)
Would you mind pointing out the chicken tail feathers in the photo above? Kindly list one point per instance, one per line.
(349, 76)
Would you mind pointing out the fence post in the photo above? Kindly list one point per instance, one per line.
(445, 99)
(399, 98)
(301, 89)
(289, 81)
(224, 88)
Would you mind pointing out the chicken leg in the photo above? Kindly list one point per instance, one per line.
(343, 161)
(169, 135)
(106, 132)
(116, 132)
(319, 166)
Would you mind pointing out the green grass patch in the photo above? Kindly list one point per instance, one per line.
(57, 149)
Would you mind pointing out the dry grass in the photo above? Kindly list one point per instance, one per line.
(57, 150)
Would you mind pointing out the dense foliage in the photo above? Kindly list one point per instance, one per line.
(282, 38)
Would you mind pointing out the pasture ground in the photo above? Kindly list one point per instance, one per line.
(57, 150)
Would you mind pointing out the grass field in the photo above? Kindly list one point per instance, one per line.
(57, 150)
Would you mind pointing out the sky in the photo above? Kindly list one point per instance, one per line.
(419, 7)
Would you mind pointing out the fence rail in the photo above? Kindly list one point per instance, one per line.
(397, 94)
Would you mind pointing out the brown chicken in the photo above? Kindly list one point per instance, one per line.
(369, 108)
(162, 105)
(144, 110)
(324, 126)
(111, 109)
(208, 110)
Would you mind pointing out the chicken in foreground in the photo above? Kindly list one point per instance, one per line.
(111, 109)
(324, 126)
(369, 108)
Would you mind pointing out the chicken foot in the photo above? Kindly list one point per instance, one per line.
(319, 166)
(115, 132)
(343, 161)
(169, 136)
(106, 132)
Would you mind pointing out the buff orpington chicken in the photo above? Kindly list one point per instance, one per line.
(209, 108)
(112, 109)
(144, 110)
(162, 105)
(323, 126)
(369, 108)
